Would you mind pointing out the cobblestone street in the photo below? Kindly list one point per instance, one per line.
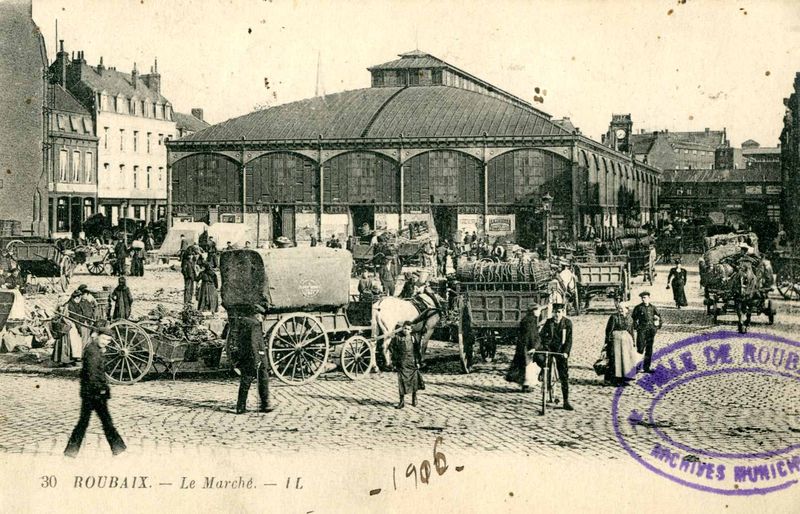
(479, 411)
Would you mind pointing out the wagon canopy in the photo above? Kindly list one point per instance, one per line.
(286, 278)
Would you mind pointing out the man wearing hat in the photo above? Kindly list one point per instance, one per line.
(387, 277)
(407, 358)
(567, 280)
(646, 321)
(556, 336)
(252, 359)
(95, 394)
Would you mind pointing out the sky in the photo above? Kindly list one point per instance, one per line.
(676, 65)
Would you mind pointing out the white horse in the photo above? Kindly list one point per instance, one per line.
(389, 312)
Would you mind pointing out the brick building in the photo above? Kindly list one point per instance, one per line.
(678, 150)
(23, 132)
(73, 162)
(427, 142)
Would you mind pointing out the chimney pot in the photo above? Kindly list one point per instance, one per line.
(197, 113)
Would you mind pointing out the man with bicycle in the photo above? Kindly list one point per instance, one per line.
(556, 336)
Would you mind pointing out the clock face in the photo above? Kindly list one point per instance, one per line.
(620, 133)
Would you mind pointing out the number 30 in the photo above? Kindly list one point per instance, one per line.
(49, 481)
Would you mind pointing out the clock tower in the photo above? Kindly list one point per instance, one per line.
(618, 136)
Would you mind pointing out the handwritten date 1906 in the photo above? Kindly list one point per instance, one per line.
(423, 473)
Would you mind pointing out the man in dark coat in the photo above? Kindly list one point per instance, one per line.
(120, 254)
(441, 259)
(646, 321)
(556, 336)
(252, 359)
(213, 253)
(527, 341)
(184, 246)
(189, 277)
(407, 359)
(94, 396)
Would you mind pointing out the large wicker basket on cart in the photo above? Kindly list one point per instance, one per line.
(306, 292)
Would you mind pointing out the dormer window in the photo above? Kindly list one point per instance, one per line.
(377, 78)
(436, 77)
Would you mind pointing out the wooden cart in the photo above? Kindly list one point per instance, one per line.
(41, 259)
(610, 277)
(787, 274)
(306, 294)
(489, 313)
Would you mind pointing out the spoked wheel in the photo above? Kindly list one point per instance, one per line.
(96, 267)
(298, 348)
(788, 288)
(129, 355)
(357, 358)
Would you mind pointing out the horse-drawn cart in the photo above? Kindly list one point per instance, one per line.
(305, 292)
(787, 274)
(611, 277)
(43, 259)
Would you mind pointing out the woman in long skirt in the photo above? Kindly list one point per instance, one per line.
(406, 358)
(62, 349)
(207, 296)
(523, 371)
(677, 279)
(619, 347)
(123, 300)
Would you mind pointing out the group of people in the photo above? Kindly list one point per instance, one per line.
(137, 251)
(200, 281)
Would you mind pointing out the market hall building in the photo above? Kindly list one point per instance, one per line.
(426, 142)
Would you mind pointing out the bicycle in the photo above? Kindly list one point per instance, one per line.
(548, 374)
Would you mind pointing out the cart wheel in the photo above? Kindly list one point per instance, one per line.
(96, 267)
(788, 289)
(298, 348)
(11, 246)
(357, 357)
(129, 355)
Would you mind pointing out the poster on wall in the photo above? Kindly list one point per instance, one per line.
(469, 224)
(500, 225)
(387, 222)
(305, 227)
(335, 224)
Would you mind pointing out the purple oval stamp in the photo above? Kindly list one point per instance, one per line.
(720, 413)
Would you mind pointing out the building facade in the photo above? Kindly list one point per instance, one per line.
(23, 130)
(790, 162)
(132, 121)
(743, 198)
(678, 150)
(73, 163)
(427, 142)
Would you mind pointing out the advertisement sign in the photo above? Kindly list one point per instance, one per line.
(387, 221)
(774, 190)
(752, 190)
(500, 225)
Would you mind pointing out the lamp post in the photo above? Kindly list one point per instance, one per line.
(547, 205)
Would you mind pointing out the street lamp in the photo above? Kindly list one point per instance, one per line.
(547, 205)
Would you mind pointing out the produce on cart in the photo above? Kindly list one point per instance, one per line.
(489, 299)
(718, 271)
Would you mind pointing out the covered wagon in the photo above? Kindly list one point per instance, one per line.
(305, 292)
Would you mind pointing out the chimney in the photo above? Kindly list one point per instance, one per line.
(707, 130)
(100, 67)
(134, 76)
(197, 113)
(153, 79)
(60, 66)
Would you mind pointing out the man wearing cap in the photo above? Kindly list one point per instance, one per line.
(556, 336)
(527, 342)
(387, 277)
(94, 395)
(252, 358)
(646, 321)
